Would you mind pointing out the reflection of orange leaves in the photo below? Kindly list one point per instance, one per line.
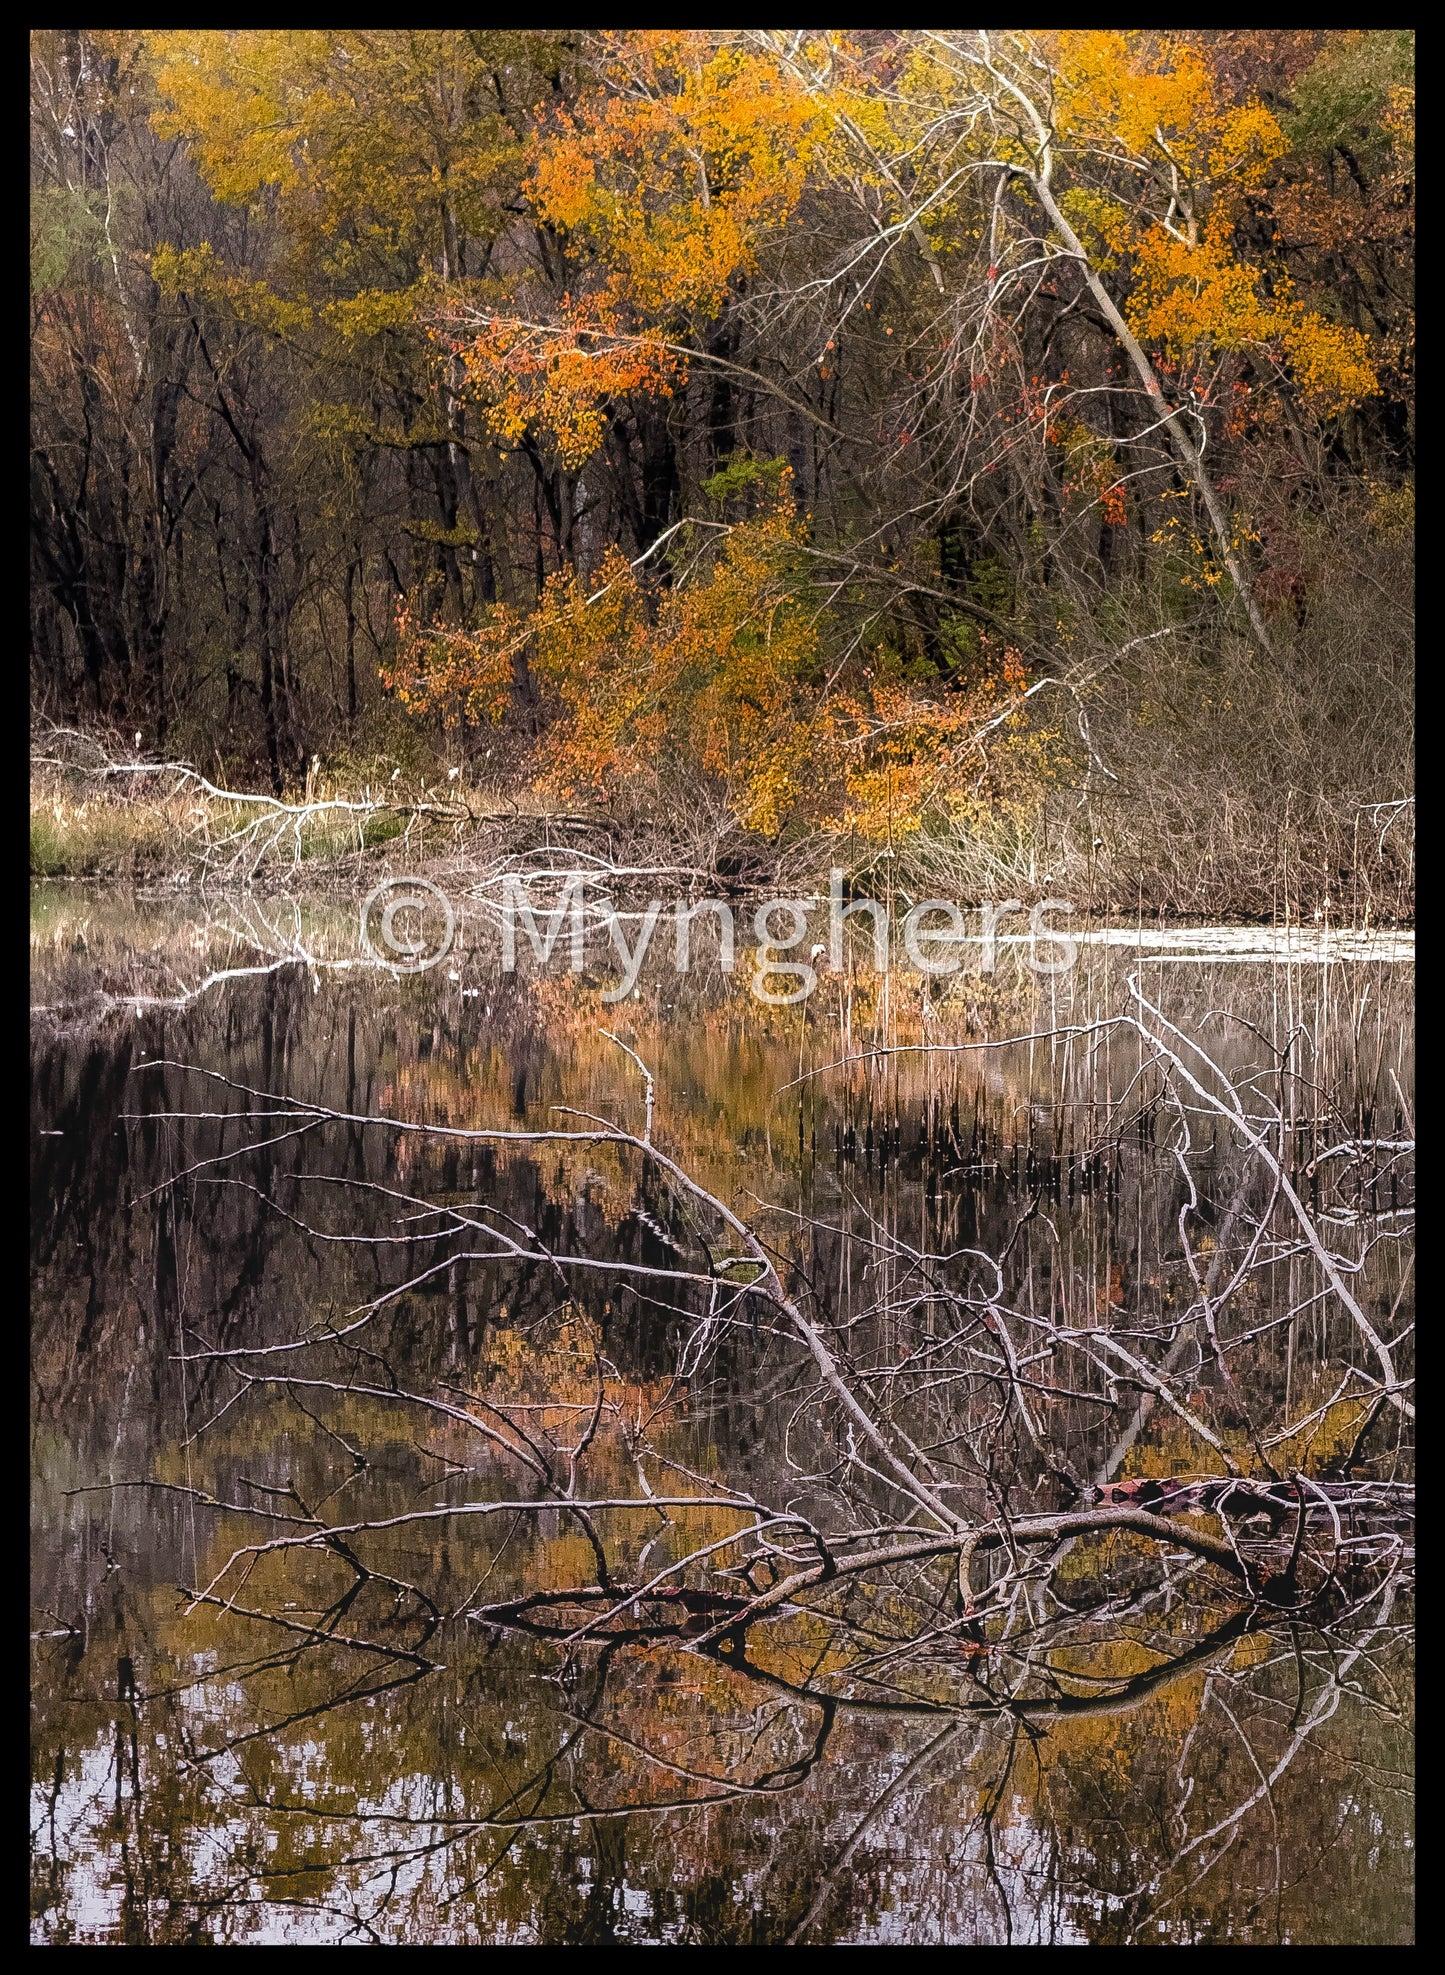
(1110, 1294)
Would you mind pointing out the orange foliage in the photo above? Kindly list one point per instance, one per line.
(557, 378)
(664, 177)
(680, 157)
(677, 167)
(720, 676)
(709, 673)
(1197, 160)
(1191, 299)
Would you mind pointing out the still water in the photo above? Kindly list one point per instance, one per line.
(321, 1754)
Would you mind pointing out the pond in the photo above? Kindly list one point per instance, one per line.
(321, 1652)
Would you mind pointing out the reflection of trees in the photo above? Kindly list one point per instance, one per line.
(794, 1560)
(684, 1771)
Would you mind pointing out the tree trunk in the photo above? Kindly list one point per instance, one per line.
(1189, 455)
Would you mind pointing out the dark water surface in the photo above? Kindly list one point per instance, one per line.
(321, 1757)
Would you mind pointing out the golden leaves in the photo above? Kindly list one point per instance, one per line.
(708, 672)
(676, 171)
(376, 149)
(1197, 160)
(239, 97)
(721, 676)
(558, 378)
(199, 271)
(1190, 300)
(663, 178)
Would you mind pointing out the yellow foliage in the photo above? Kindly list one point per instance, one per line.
(1122, 97)
(198, 271)
(1191, 299)
(721, 675)
(1130, 96)
(672, 171)
(374, 148)
(677, 169)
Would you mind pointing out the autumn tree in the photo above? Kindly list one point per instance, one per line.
(489, 359)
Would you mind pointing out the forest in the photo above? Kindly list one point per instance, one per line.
(722, 971)
(992, 450)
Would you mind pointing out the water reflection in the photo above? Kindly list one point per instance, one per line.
(408, 1752)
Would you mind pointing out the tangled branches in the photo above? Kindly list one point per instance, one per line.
(951, 1449)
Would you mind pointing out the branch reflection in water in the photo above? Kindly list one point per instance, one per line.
(999, 1529)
